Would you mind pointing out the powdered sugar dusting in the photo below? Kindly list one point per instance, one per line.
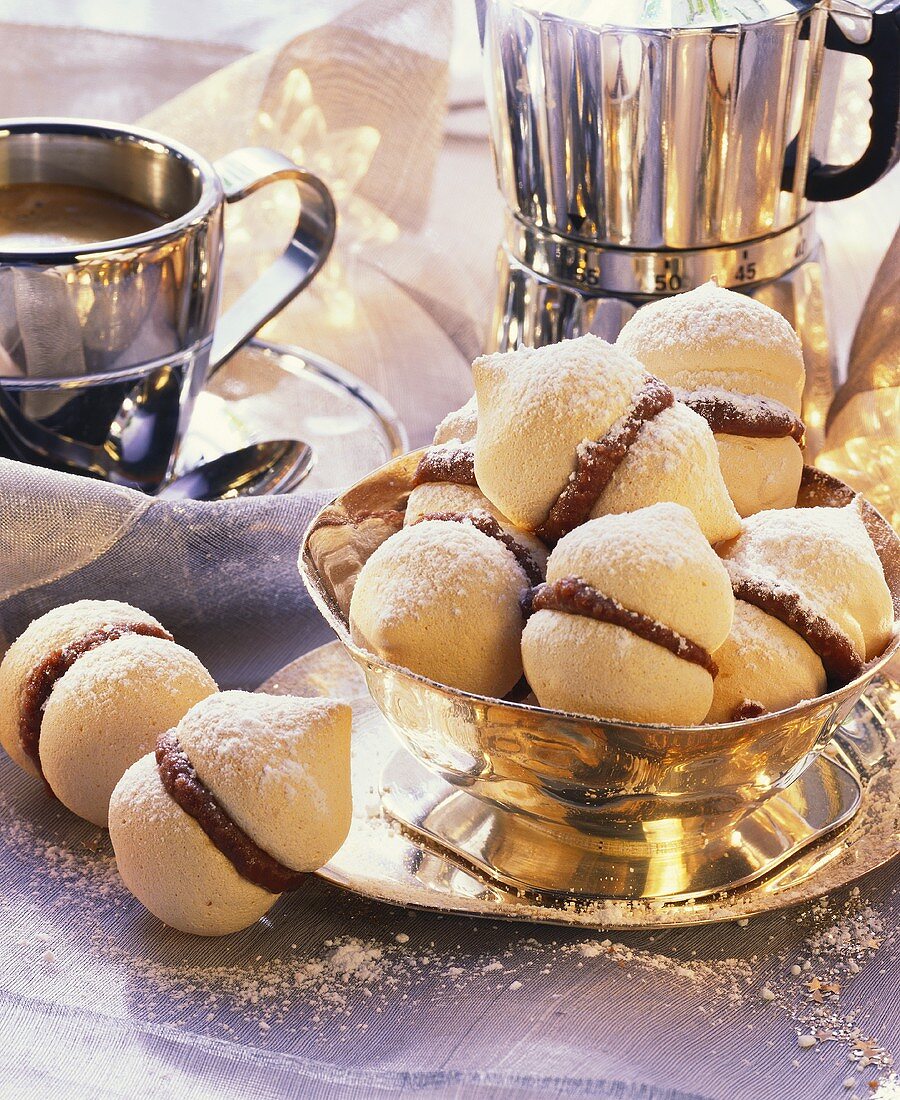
(715, 337)
(460, 425)
(826, 556)
(423, 556)
(535, 406)
(675, 459)
(451, 462)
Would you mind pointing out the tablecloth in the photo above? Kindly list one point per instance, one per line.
(333, 995)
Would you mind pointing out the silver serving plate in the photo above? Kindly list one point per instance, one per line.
(581, 807)
(391, 862)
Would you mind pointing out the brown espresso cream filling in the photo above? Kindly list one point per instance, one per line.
(487, 525)
(455, 465)
(43, 678)
(830, 644)
(597, 461)
(755, 417)
(573, 596)
(188, 791)
(749, 708)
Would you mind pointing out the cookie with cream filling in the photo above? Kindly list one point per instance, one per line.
(580, 429)
(443, 597)
(625, 627)
(739, 364)
(85, 691)
(764, 666)
(439, 487)
(245, 796)
(813, 572)
(460, 425)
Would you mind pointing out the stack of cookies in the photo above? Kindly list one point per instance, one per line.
(617, 524)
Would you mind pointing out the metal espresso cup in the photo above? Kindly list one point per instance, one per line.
(104, 346)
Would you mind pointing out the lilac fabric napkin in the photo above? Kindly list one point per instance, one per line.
(222, 576)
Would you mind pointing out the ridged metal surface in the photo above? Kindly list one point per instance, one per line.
(651, 138)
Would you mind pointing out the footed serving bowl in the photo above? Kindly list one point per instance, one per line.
(568, 803)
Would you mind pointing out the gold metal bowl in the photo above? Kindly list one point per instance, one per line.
(572, 803)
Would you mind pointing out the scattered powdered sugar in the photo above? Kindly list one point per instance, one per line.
(814, 989)
(354, 959)
(340, 986)
(728, 978)
(85, 869)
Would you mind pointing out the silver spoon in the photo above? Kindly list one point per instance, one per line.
(278, 465)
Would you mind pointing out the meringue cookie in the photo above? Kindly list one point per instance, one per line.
(443, 599)
(42, 638)
(815, 573)
(84, 692)
(275, 768)
(108, 710)
(460, 425)
(716, 342)
(656, 564)
(539, 408)
(445, 496)
(675, 460)
(764, 666)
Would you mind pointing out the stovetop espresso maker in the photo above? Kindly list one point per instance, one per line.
(645, 146)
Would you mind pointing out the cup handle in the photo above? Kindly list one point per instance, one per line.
(243, 172)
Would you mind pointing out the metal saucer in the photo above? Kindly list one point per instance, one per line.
(269, 391)
(417, 841)
(527, 856)
(658, 811)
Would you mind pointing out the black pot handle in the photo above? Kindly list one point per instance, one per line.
(828, 182)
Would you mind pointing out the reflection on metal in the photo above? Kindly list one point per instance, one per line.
(662, 800)
(653, 137)
(669, 862)
(397, 863)
(645, 273)
(105, 346)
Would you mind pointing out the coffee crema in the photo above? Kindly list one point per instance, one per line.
(64, 215)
